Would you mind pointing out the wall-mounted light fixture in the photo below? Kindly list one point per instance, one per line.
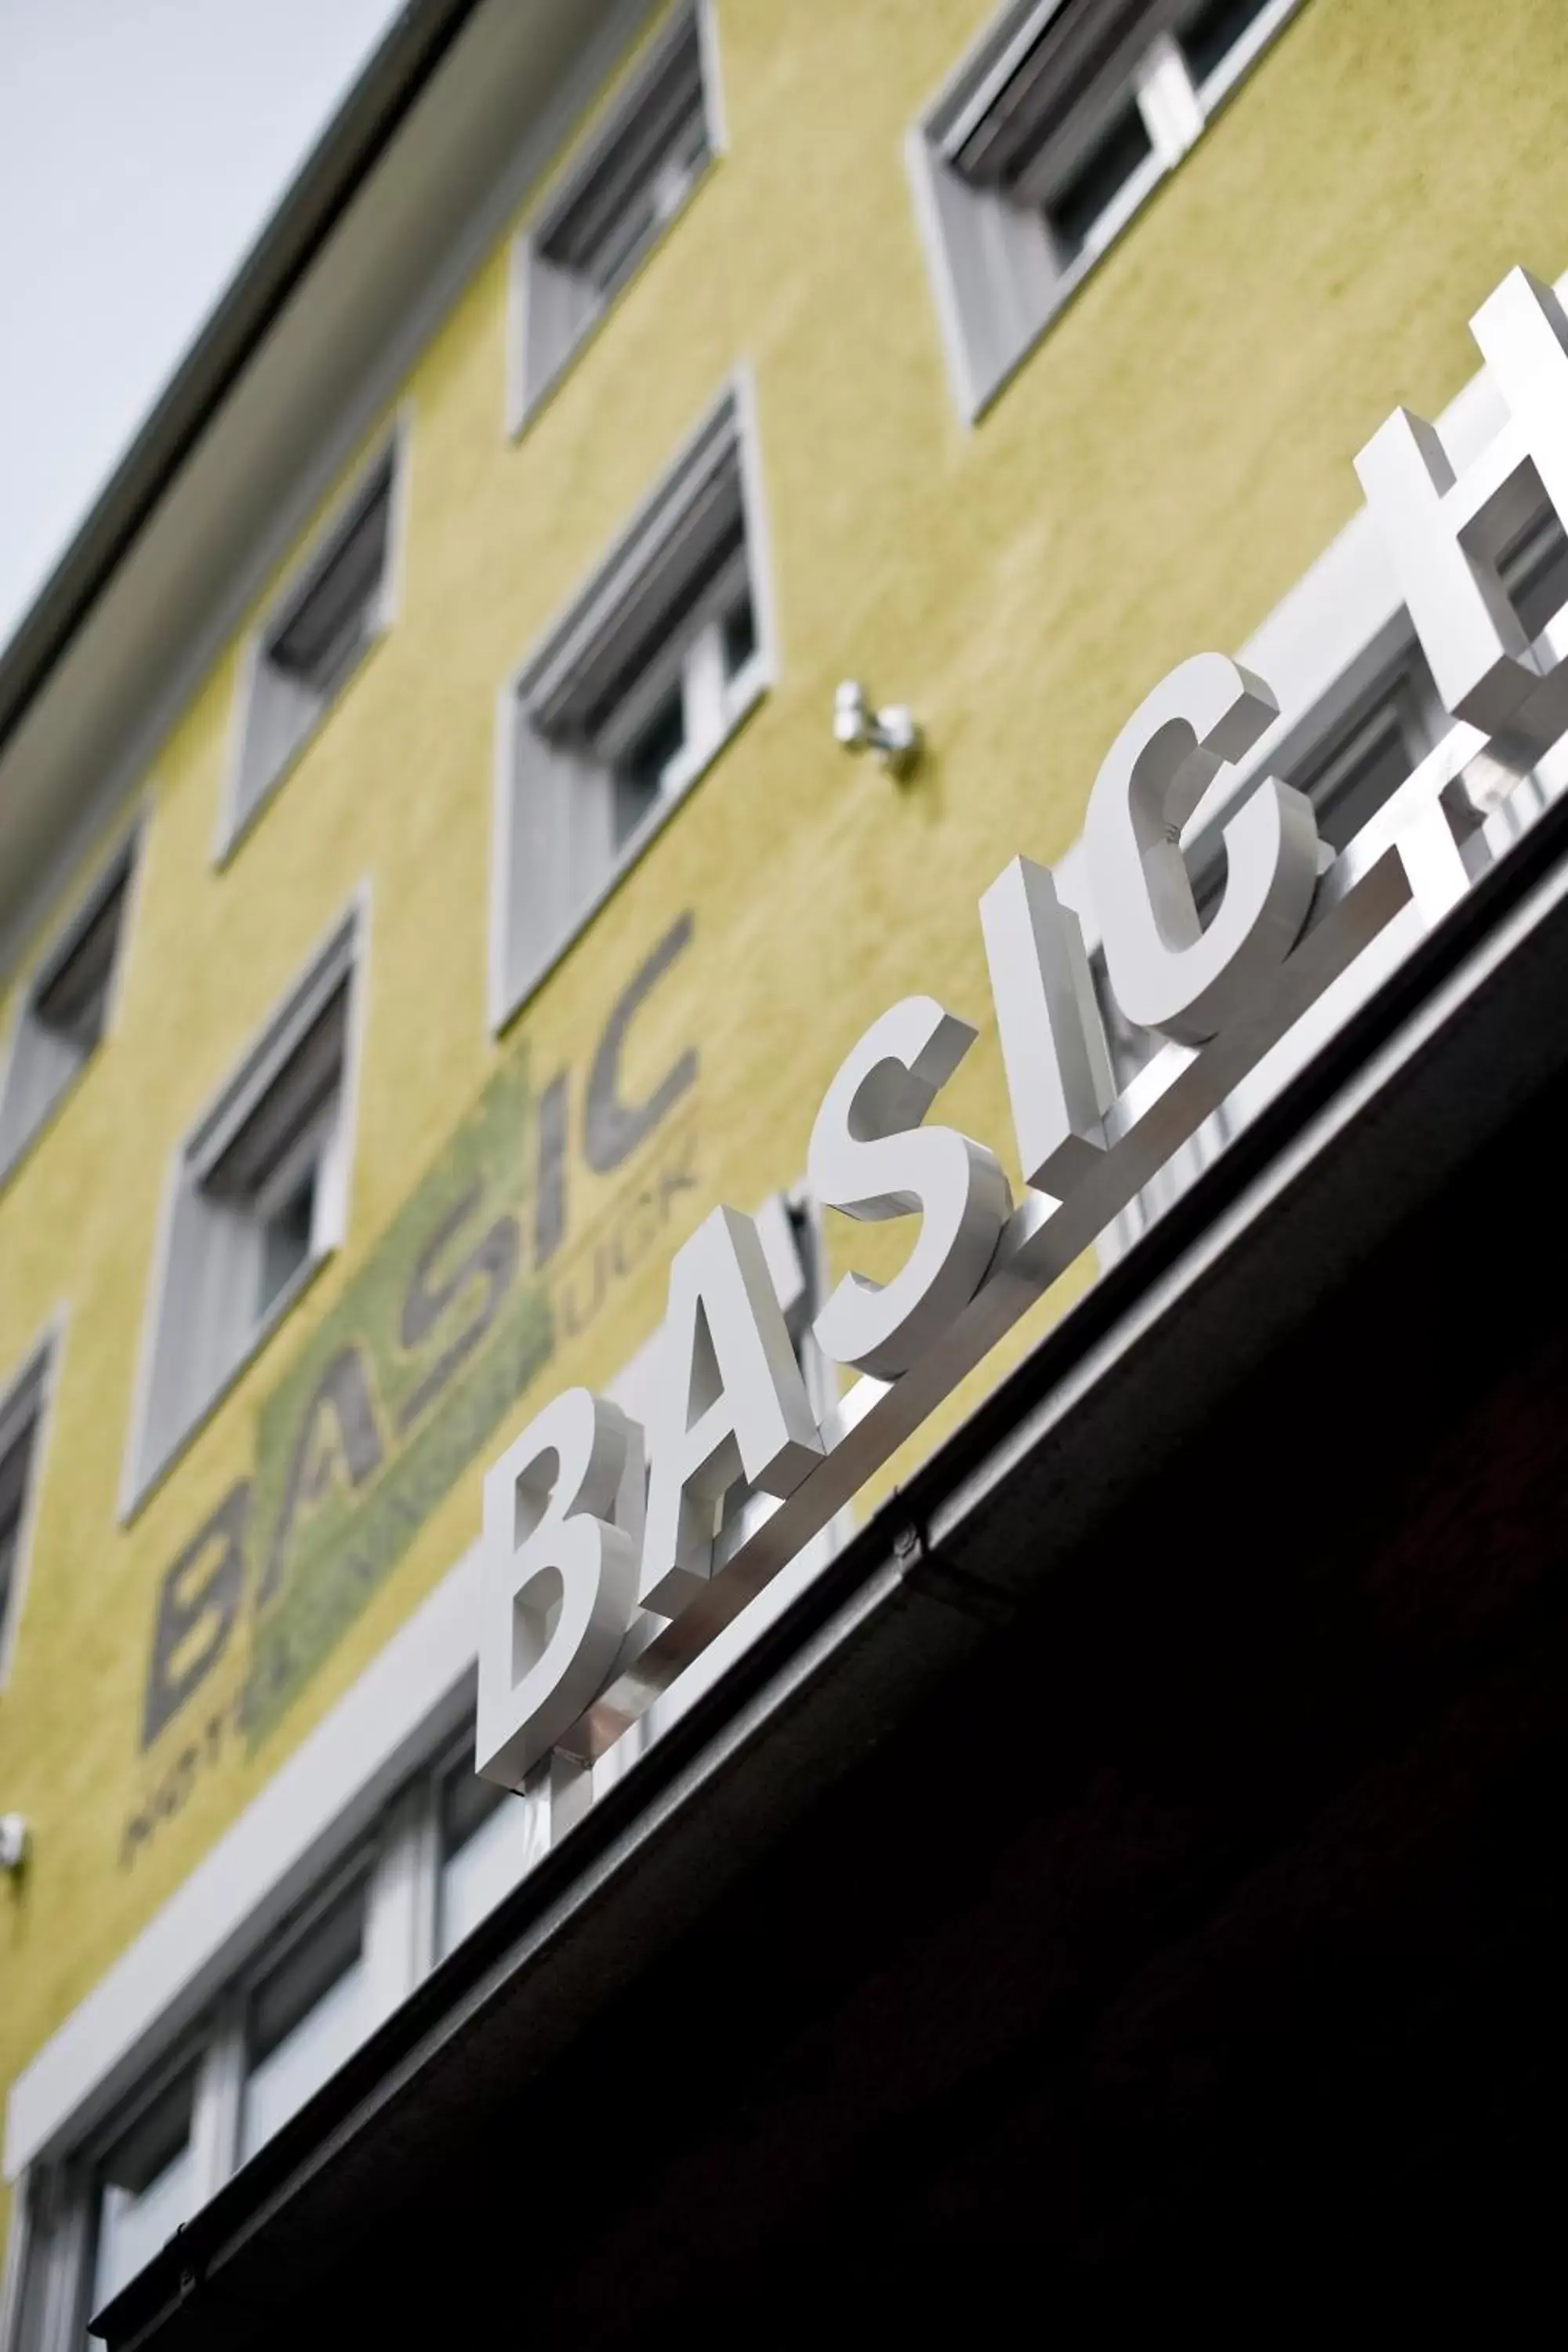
(892, 733)
(13, 1843)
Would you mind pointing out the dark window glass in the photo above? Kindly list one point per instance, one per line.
(155, 2139)
(307, 1083)
(1083, 198)
(618, 210)
(739, 629)
(16, 1463)
(330, 625)
(1349, 778)
(466, 1804)
(1360, 780)
(639, 777)
(285, 1239)
(1535, 572)
(1215, 32)
(73, 997)
(322, 1957)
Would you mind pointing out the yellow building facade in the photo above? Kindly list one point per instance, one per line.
(208, 1563)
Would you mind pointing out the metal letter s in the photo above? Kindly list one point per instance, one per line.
(871, 1158)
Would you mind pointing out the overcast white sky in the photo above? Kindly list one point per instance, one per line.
(142, 145)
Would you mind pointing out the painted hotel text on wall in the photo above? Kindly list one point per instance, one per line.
(458, 1309)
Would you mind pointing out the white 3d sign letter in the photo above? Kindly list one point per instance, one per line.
(568, 1558)
(1167, 972)
(732, 1405)
(871, 1158)
(563, 1528)
(1446, 535)
(1053, 1040)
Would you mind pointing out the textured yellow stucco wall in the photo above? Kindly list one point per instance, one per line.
(1163, 465)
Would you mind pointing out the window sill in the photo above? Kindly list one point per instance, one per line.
(287, 1298)
(524, 993)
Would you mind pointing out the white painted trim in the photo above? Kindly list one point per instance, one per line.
(503, 762)
(742, 392)
(14, 2267)
(920, 167)
(712, 77)
(514, 374)
(394, 575)
(348, 934)
(40, 1363)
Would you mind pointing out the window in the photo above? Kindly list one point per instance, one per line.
(146, 2186)
(628, 701)
(489, 1840)
(21, 1414)
(64, 1012)
(1055, 130)
(328, 619)
(1535, 572)
(1368, 755)
(312, 2008)
(257, 1203)
(615, 203)
(1348, 765)
(312, 1989)
(1347, 772)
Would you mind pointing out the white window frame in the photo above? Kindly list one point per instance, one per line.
(995, 278)
(30, 1392)
(532, 377)
(244, 798)
(86, 2234)
(715, 707)
(162, 1431)
(122, 865)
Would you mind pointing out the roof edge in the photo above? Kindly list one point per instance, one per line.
(353, 142)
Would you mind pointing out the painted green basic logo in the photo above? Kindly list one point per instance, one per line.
(390, 1399)
(448, 1321)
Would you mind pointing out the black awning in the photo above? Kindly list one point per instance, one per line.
(1140, 1845)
